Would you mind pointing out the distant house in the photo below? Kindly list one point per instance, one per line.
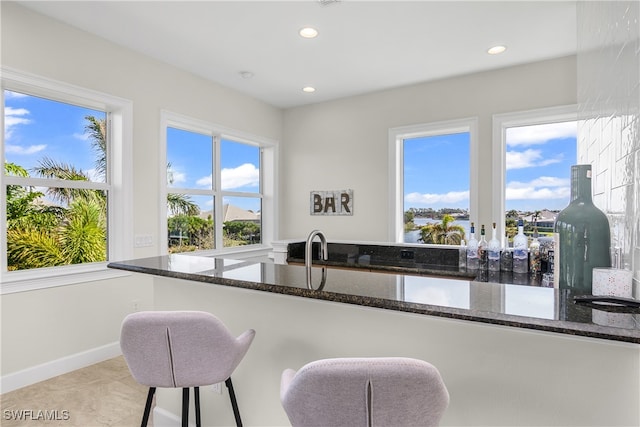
(234, 213)
(546, 218)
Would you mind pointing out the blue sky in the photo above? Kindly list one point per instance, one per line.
(436, 171)
(538, 162)
(191, 164)
(36, 127)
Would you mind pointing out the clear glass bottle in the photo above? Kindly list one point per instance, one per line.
(534, 254)
(506, 258)
(472, 250)
(494, 250)
(482, 250)
(520, 255)
(462, 256)
(582, 236)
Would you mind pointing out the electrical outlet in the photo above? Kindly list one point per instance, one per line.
(217, 388)
(405, 254)
(135, 305)
(142, 240)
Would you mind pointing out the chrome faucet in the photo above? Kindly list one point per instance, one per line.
(308, 253)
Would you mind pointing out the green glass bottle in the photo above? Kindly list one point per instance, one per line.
(582, 236)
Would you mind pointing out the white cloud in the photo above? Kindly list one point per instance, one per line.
(12, 118)
(427, 198)
(540, 134)
(13, 95)
(205, 181)
(528, 158)
(81, 136)
(544, 187)
(179, 177)
(246, 175)
(17, 149)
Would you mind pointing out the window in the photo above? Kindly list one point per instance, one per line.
(64, 198)
(433, 169)
(219, 187)
(533, 152)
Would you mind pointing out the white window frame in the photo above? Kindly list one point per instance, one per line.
(268, 181)
(501, 122)
(396, 166)
(119, 183)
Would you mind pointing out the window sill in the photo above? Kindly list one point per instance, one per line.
(237, 252)
(31, 282)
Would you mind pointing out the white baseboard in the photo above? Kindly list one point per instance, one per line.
(57, 367)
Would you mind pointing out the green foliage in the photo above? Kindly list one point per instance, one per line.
(511, 227)
(443, 233)
(40, 235)
(189, 232)
(408, 220)
(78, 238)
(181, 204)
(84, 236)
(243, 232)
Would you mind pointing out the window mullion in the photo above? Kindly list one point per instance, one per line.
(57, 183)
(218, 204)
(194, 191)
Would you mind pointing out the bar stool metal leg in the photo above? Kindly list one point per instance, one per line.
(196, 398)
(234, 402)
(147, 407)
(185, 407)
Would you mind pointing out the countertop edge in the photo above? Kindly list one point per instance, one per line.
(555, 326)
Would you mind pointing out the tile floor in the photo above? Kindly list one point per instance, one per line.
(100, 395)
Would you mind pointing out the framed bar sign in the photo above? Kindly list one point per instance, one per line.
(339, 202)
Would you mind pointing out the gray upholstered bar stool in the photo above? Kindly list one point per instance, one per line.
(364, 392)
(182, 349)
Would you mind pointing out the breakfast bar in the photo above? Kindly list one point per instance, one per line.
(450, 294)
(509, 354)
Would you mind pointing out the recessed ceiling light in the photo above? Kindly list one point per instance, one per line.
(308, 89)
(496, 50)
(308, 32)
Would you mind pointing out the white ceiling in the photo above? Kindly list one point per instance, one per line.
(363, 46)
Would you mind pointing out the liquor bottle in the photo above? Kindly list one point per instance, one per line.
(534, 254)
(482, 250)
(462, 256)
(472, 250)
(582, 236)
(506, 257)
(494, 250)
(520, 256)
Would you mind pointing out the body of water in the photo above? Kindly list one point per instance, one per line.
(413, 236)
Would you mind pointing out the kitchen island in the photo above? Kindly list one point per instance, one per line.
(509, 354)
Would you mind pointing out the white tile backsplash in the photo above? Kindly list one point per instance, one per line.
(609, 107)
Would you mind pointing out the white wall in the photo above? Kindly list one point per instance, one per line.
(496, 376)
(52, 331)
(43, 326)
(344, 144)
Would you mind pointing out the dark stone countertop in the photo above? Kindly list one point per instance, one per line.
(442, 293)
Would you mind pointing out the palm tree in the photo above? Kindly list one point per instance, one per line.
(512, 214)
(79, 238)
(97, 130)
(443, 233)
(179, 204)
(39, 235)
